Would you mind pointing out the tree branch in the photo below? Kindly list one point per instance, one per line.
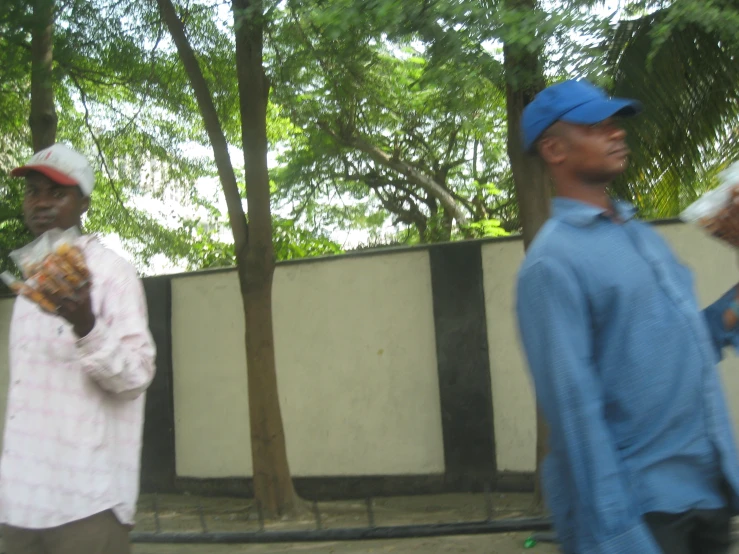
(213, 127)
(98, 146)
(416, 177)
(43, 119)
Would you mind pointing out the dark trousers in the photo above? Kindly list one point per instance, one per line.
(99, 534)
(692, 532)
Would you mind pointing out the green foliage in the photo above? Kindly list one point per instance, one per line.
(343, 97)
(421, 83)
(13, 232)
(123, 100)
(681, 62)
(487, 228)
(677, 56)
(290, 242)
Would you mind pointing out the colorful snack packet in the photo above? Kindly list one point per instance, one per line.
(21, 288)
(51, 265)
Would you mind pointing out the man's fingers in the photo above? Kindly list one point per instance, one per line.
(66, 270)
(74, 256)
(53, 287)
(38, 297)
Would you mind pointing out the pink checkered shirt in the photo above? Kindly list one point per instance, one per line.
(74, 421)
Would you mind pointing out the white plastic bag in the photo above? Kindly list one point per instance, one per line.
(710, 211)
(54, 263)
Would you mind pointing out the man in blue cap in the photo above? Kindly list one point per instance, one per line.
(641, 454)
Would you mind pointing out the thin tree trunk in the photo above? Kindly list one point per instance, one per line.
(43, 118)
(213, 127)
(273, 486)
(525, 78)
(529, 174)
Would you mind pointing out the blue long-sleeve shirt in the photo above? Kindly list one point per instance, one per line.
(624, 366)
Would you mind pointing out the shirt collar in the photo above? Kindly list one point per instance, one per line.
(582, 214)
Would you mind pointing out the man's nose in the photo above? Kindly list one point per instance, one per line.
(618, 133)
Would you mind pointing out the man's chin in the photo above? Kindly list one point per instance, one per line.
(38, 229)
(621, 168)
(614, 173)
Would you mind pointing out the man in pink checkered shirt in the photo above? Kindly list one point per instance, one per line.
(69, 471)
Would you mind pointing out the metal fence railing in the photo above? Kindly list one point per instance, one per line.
(317, 530)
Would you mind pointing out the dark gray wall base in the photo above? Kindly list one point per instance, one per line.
(158, 452)
(345, 488)
(463, 363)
(516, 481)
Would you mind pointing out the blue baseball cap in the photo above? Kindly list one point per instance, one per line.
(576, 102)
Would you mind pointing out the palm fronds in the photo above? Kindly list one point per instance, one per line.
(688, 80)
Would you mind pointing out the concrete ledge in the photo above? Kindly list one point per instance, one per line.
(343, 488)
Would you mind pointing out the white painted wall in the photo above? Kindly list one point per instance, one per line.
(715, 267)
(357, 374)
(356, 360)
(514, 411)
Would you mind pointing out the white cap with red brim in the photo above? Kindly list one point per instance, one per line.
(62, 165)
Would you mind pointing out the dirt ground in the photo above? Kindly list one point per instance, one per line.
(183, 513)
(484, 544)
(195, 514)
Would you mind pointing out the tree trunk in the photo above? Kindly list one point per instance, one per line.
(43, 119)
(273, 486)
(525, 78)
(218, 142)
(529, 174)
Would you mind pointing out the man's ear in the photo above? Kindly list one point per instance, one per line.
(552, 149)
(84, 205)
